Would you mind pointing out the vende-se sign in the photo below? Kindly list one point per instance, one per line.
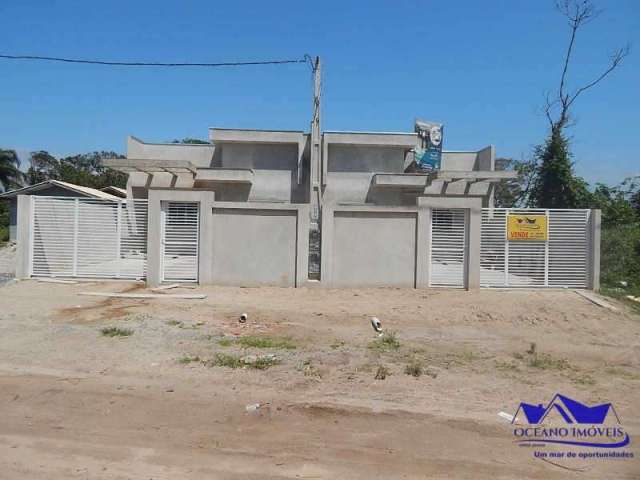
(526, 227)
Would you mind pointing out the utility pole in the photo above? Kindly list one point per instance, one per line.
(316, 172)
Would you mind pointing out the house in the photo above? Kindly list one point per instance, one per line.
(54, 188)
(264, 208)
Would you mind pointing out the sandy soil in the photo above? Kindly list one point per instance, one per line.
(77, 404)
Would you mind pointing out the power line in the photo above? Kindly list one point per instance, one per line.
(152, 64)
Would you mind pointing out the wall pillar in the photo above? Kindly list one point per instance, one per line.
(594, 264)
(423, 246)
(24, 236)
(474, 226)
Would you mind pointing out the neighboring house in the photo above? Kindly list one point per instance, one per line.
(115, 191)
(54, 188)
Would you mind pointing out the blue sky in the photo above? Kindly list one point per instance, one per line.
(479, 67)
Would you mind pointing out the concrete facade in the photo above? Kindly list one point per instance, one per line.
(266, 194)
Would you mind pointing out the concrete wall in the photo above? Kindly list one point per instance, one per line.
(199, 155)
(254, 247)
(360, 158)
(259, 244)
(373, 249)
(459, 161)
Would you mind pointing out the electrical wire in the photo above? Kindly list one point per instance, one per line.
(306, 59)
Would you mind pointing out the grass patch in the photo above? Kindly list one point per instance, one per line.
(547, 362)
(236, 361)
(116, 332)
(387, 342)
(621, 372)
(621, 295)
(382, 372)
(583, 380)
(309, 369)
(337, 344)
(225, 342)
(254, 341)
(507, 366)
(414, 369)
(187, 359)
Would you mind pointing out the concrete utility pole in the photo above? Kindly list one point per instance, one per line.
(315, 140)
(315, 180)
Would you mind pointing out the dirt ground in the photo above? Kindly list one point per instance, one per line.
(156, 404)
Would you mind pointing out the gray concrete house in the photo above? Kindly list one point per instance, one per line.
(263, 209)
(54, 188)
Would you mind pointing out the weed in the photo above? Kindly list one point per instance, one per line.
(620, 372)
(584, 380)
(175, 323)
(337, 344)
(235, 361)
(225, 342)
(547, 362)
(252, 341)
(382, 372)
(224, 360)
(414, 369)
(189, 359)
(507, 366)
(387, 342)
(116, 332)
(309, 369)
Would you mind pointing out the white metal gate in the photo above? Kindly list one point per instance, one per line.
(180, 234)
(448, 247)
(561, 261)
(83, 237)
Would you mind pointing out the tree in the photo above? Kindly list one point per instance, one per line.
(10, 174)
(84, 169)
(44, 166)
(514, 192)
(556, 185)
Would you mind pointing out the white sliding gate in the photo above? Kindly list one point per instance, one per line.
(561, 261)
(83, 237)
(448, 247)
(180, 235)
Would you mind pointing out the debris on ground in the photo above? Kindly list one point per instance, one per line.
(55, 280)
(243, 318)
(595, 299)
(165, 287)
(254, 407)
(184, 296)
(376, 324)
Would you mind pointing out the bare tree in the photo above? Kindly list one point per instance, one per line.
(578, 13)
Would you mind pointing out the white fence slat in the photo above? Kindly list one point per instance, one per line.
(86, 237)
(561, 261)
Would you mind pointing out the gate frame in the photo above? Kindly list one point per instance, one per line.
(154, 230)
(473, 216)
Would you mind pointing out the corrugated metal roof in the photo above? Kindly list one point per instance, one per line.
(82, 191)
